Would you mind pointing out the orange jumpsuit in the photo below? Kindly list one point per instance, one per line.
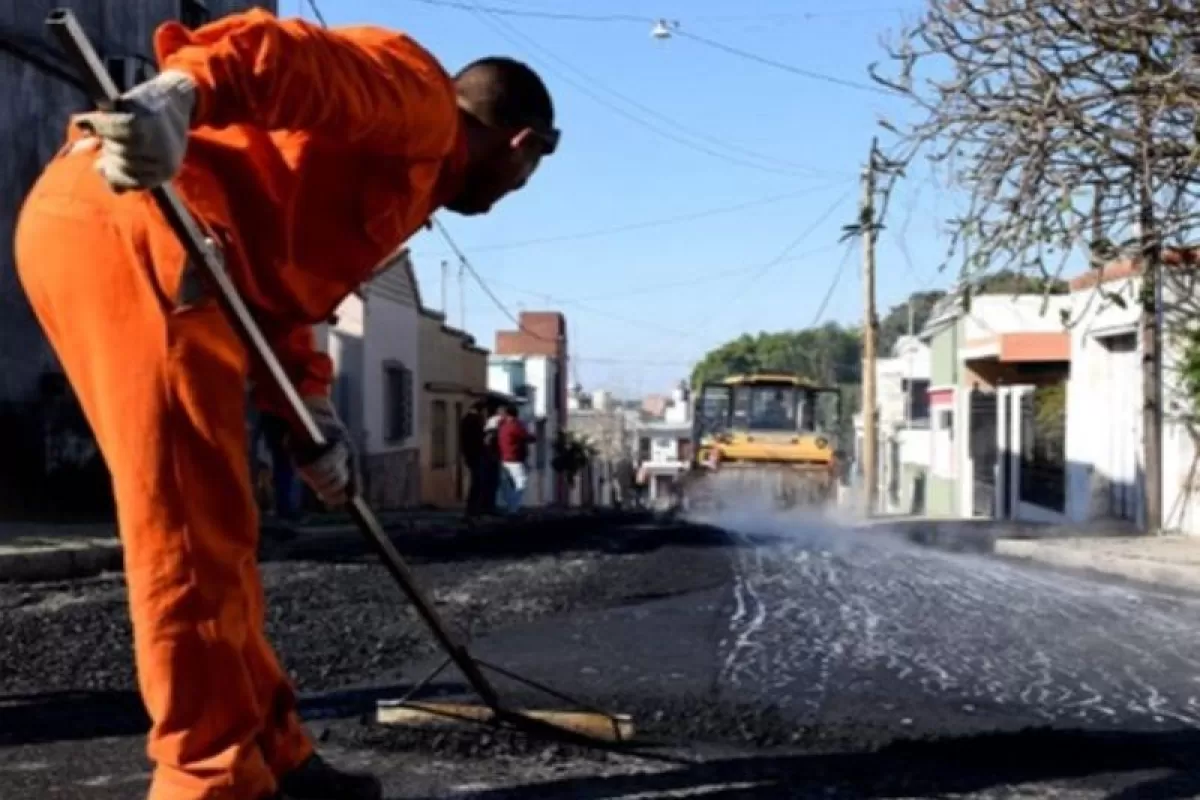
(316, 154)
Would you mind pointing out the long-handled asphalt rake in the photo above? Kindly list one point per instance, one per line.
(588, 727)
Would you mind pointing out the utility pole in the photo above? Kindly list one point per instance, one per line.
(870, 326)
(462, 297)
(445, 278)
(908, 389)
(1151, 326)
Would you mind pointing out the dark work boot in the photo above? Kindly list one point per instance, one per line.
(315, 779)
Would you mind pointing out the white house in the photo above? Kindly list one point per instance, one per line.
(533, 378)
(374, 343)
(985, 358)
(665, 447)
(1105, 452)
(904, 449)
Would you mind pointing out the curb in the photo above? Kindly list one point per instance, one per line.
(953, 535)
(85, 557)
(1157, 573)
(59, 562)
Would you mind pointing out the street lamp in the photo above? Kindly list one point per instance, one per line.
(662, 29)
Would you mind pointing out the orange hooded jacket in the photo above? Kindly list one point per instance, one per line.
(315, 154)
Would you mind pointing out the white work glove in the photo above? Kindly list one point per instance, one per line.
(144, 139)
(330, 473)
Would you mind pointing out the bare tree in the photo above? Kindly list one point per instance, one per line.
(1069, 123)
(1072, 127)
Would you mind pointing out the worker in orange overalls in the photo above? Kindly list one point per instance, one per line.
(309, 156)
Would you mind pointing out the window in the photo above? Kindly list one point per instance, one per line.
(684, 449)
(917, 395)
(643, 448)
(193, 13)
(440, 448)
(397, 401)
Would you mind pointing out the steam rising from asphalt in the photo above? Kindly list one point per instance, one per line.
(827, 607)
(744, 504)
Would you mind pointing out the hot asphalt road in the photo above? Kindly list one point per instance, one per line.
(811, 664)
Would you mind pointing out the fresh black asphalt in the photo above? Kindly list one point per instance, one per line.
(783, 658)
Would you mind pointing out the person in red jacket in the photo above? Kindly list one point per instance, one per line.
(514, 440)
(309, 156)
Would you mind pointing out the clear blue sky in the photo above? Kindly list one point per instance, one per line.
(642, 304)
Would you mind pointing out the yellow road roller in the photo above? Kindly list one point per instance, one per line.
(763, 439)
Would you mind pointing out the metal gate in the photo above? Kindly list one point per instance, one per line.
(1123, 397)
(985, 456)
(1043, 479)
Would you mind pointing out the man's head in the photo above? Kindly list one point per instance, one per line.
(509, 120)
(510, 410)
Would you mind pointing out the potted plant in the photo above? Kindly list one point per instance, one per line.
(572, 453)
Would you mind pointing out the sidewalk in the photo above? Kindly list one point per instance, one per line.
(31, 551)
(1169, 561)
(1112, 549)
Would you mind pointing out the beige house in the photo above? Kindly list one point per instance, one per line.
(374, 345)
(453, 373)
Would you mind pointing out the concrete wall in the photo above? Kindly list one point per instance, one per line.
(943, 355)
(944, 491)
(1105, 440)
(1003, 313)
(371, 337)
(1095, 430)
(392, 342)
(541, 374)
(37, 97)
(542, 335)
(454, 375)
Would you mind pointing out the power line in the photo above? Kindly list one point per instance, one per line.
(654, 223)
(770, 62)
(470, 268)
(705, 277)
(500, 305)
(566, 16)
(640, 362)
(510, 33)
(761, 270)
(317, 13)
(517, 12)
(496, 11)
(837, 277)
(654, 326)
(767, 267)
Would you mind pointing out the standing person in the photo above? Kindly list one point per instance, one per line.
(285, 486)
(513, 439)
(623, 481)
(471, 450)
(491, 456)
(309, 156)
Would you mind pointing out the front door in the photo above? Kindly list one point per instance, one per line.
(1124, 430)
(984, 453)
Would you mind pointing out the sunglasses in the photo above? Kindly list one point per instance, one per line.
(547, 138)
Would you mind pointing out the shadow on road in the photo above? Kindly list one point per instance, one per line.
(76, 716)
(915, 769)
(618, 535)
